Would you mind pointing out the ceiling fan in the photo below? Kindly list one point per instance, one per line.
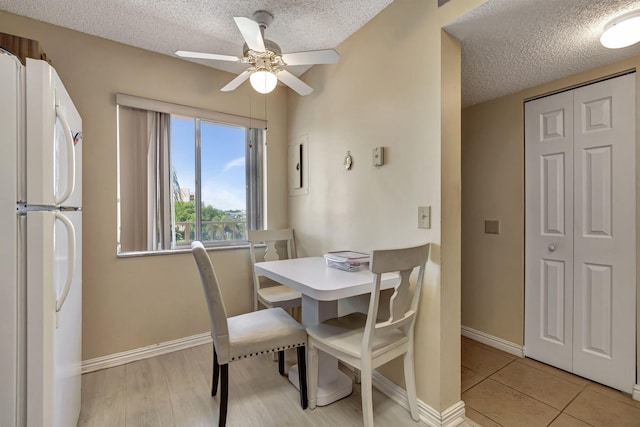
(266, 61)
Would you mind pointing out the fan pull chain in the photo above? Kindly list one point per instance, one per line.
(266, 123)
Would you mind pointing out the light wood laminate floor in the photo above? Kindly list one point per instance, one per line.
(174, 390)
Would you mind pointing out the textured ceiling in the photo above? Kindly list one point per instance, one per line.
(507, 45)
(165, 26)
(511, 45)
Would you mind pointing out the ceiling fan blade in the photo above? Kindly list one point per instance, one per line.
(251, 33)
(327, 56)
(202, 55)
(233, 84)
(294, 83)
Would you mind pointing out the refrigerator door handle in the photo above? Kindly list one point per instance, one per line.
(71, 261)
(71, 155)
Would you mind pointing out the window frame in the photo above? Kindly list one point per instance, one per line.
(254, 178)
(255, 169)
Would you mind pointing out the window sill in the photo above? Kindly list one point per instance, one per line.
(234, 246)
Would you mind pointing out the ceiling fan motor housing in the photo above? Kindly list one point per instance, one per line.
(269, 46)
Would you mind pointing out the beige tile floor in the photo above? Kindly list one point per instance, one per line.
(500, 389)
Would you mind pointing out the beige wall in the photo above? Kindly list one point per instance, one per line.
(388, 90)
(134, 302)
(493, 188)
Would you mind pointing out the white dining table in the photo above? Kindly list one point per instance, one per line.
(321, 288)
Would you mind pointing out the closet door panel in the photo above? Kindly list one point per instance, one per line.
(549, 230)
(604, 232)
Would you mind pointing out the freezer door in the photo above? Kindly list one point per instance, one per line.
(54, 317)
(54, 140)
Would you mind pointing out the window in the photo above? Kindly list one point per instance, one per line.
(184, 176)
(209, 180)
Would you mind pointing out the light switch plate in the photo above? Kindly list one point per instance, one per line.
(378, 156)
(424, 216)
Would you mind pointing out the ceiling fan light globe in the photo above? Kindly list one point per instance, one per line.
(622, 32)
(263, 81)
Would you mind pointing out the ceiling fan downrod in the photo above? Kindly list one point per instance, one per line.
(263, 18)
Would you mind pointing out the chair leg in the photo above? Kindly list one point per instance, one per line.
(302, 377)
(410, 381)
(312, 354)
(216, 372)
(224, 395)
(367, 395)
(281, 362)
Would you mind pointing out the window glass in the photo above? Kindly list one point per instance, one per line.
(183, 162)
(223, 182)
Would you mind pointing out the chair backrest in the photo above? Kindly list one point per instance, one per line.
(403, 304)
(217, 312)
(271, 239)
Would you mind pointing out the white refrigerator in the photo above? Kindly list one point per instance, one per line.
(40, 247)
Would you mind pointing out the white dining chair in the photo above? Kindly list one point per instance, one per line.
(246, 335)
(267, 292)
(365, 342)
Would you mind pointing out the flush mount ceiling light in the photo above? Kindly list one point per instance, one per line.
(622, 31)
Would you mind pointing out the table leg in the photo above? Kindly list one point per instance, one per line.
(332, 384)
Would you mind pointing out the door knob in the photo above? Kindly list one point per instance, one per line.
(552, 248)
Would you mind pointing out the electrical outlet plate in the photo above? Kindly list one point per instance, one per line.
(492, 226)
(424, 216)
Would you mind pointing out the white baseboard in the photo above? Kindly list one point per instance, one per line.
(490, 340)
(450, 417)
(117, 359)
(636, 392)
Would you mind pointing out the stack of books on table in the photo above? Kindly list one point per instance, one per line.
(347, 260)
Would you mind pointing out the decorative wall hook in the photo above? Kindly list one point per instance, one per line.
(348, 161)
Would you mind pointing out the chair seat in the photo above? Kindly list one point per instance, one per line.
(280, 296)
(346, 334)
(263, 331)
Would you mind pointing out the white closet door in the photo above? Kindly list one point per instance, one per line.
(604, 232)
(580, 274)
(549, 230)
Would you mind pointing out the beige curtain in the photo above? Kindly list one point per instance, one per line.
(132, 139)
(159, 182)
(144, 180)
